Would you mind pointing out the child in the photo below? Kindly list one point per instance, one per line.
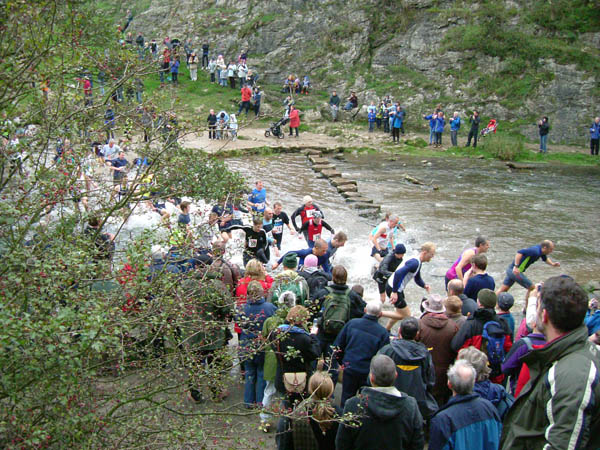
(371, 116)
(233, 127)
(386, 120)
(505, 302)
(305, 85)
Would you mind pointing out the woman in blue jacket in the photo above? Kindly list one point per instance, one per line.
(440, 123)
(396, 125)
(595, 136)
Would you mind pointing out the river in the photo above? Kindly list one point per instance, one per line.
(514, 209)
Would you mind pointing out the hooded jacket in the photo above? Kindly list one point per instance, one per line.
(357, 304)
(466, 421)
(560, 406)
(389, 420)
(416, 374)
(436, 333)
(268, 333)
(316, 280)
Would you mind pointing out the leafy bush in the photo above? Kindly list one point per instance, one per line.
(503, 146)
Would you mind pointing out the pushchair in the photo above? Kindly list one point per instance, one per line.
(491, 128)
(275, 128)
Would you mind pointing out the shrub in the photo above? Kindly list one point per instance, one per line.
(503, 146)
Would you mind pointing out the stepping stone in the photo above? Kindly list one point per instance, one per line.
(368, 212)
(347, 188)
(321, 167)
(341, 181)
(351, 194)
(362, 205)
(331, 173)
(317, 159)
(313, 152)
(358, 199)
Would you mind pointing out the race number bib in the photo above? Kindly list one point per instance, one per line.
(316, 237)
(252, 243)
(278, 229)
(260, 206)
(310, 213)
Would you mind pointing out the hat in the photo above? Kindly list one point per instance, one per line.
(434, 304)
(487, 298)
(306, 199)
(505, 301)
(400, 249)
(311, 261)
(290, 261)
(158, 252)
(317, 215)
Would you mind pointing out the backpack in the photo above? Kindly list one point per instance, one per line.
(336, 311)
(289, 284)
(493, 336)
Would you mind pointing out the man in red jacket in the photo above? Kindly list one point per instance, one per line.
(246, 96)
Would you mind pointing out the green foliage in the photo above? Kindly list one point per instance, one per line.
(503, 146)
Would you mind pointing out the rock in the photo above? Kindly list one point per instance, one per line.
(340, 181)
(374, 212)
(363, 205)
(331, 173)
(592, 286)
(318, 159)
(313, 152)
(359, 200)
(321, 167)
(350, 194)
(340, 157)
(519, 166)
(347, 188)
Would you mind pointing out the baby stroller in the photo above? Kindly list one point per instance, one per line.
(491, 128)
(275, 128)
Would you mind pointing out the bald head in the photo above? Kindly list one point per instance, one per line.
(461, 377)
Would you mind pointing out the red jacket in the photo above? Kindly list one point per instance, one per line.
(294, 118)
(246, 94)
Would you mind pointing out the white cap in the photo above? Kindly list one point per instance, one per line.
(531, 312)
(306, 199)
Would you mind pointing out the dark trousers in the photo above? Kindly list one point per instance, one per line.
(212, 77)
(261, 254)
(386, 125)
(594, 146)
(395, 134)
(174, 77)
(472, 134)
(438, 138)
(212, 131)
(232, 82)
(205, 63)
(292, 131)
(256, 109)
(378, 122)
(244, 105)
(351, 383)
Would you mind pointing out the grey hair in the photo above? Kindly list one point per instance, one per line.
(461, 376)
(394, 217)
(373, 308)
(287, 299)
(383, 370)
(478, 360)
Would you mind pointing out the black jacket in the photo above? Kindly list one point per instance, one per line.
(474, 121)
(316, 280)
(387, 267)
(388, 421)
(544, 128)
(416, 374)
(306, 348)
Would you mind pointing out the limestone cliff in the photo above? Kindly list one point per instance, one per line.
(514, 60)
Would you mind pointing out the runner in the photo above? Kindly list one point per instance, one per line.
(408, 270)
(387, 268)
(313, 228)
(257, 242)
(319, 250)
(339, 240)
(257, 200)
(224, 211)
(280, 218)
(523, 259)
(463, 263)
(306, 212)
(384, 236)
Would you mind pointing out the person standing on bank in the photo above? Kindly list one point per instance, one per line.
(474, 131)
(454, 127)
(294, 120)
(595, 136)
(544, 129)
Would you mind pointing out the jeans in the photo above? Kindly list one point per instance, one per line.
(334, 111)
(223, 82)
(254, 388)
(386, 125)
(544, 143)
(174, 77)
(161, 73)
(244, 105)
(438, 138)
(204, 61)
(431, 135)
(256, 109)
(453, 134)
(371, 126)
(348, 106)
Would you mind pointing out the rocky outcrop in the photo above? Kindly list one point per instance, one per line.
(359, 44)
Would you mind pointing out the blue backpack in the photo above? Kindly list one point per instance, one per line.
(493, 340)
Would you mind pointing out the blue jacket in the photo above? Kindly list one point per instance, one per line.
(595, 131)
(359, 341)
(440, 123)
(252, 319)
(371, 116)
(592, 322)
(455, 124)
(432, 120)
(175, 67)
(322, 261)
(466, 421)
(397, 122)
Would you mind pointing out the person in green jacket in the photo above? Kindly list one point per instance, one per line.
(559, 408)
(284, 303)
